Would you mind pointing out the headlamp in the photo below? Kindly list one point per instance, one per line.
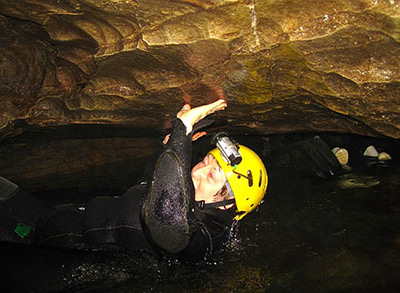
(228, 148)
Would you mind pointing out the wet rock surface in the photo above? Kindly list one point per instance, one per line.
(283, 66)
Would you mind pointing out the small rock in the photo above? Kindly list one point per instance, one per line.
(384, 157)
(371, 152)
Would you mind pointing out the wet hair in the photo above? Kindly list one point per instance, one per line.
(222, 194)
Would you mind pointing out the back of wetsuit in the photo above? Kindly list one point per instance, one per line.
(105, 223)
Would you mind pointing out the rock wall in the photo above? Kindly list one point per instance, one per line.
(283, 66)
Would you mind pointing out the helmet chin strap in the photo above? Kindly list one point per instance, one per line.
(201, 204)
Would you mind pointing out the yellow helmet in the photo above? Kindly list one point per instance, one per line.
(247, 180)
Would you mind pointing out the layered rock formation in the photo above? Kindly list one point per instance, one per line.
(283, 66)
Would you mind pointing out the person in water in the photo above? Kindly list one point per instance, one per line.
(176, 210)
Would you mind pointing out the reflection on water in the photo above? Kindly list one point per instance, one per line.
(356, 181)
(309, 236)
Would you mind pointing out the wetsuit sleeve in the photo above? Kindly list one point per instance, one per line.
(166, 213)
(181, 144)
(178, 142)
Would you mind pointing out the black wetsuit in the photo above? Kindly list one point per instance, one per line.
(160, 213)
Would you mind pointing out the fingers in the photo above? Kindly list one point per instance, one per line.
(191, 116)
(166, 139)
(216, 106)
(197, 135)
(219, 105)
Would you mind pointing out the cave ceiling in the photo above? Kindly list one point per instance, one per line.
(283, 66)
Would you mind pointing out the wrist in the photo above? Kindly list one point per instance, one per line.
(188, 125)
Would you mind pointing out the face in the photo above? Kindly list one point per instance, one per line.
(208, 178)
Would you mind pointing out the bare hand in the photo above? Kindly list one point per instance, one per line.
(197, 135)
(191, 116)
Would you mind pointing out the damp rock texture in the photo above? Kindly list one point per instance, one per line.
(283, 66)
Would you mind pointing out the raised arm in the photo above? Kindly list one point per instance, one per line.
(167, 213)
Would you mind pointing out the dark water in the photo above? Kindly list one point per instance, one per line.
(341, 235)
